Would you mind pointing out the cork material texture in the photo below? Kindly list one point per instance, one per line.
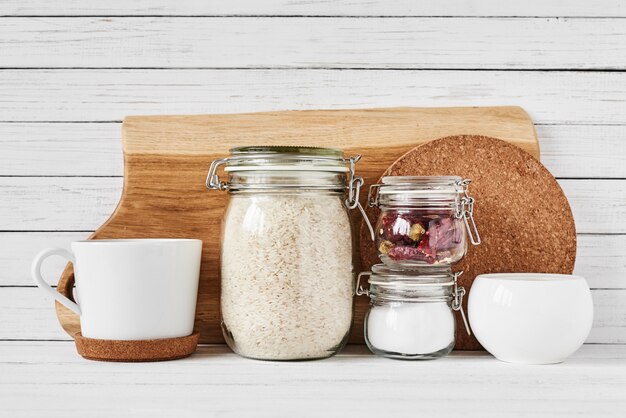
(524, 219)
(136, 350)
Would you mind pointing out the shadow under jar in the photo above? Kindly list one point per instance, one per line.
(423, 220)
(411, 311)
(286, 262)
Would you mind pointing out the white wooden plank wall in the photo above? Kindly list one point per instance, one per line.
(71, 70)
(216, 382)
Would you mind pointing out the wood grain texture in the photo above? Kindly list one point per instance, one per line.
(109, 95)
(601, 259)
(609, 309)
(581, 115)
(95, 149)
(29, 314)
(378, 132)
(57, 203)
(584, 150)
(61, 149)
(604, 202)
(216, 382)
(416, 43)
(84, 203)
(20, 248)
(488, 8)
(166, 160)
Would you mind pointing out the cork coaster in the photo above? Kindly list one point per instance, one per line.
(523, 217)
(136, 350)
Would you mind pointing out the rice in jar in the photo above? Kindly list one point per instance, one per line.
(286, 259)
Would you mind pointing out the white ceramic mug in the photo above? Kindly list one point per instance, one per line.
(131, 289)
(530, 318)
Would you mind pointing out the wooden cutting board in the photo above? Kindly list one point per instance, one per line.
(166, 159)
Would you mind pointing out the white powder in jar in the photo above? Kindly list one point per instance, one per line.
(410, 328)
(286, 275)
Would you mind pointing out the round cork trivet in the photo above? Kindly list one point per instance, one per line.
(136, 350)
(524, 219)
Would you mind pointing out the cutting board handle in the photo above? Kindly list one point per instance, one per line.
(66, 287)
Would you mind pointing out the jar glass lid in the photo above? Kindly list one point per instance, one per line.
(418, 191)
(414, 186)
(288, 169)
(286, 158)
(285, 149)
(427, 284)
(421, 182)
(419, 276)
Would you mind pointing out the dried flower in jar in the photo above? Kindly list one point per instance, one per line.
(426, 239)
(416, 231)
(385, 246)
(423, 220)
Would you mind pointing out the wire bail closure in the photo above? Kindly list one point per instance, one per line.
(372, 195)
(457, 300)
(354, 183)
(354, 192)
(358, 289)
(466, 211)
(213, 181)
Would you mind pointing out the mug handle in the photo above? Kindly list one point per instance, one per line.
(39, 281)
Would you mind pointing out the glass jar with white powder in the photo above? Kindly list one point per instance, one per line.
(286, 252)
(411, 311)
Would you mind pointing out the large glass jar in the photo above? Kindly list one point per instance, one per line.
(423, 220)
(286, 259)
(411, 311)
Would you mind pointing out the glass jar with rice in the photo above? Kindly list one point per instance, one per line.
(286, 257)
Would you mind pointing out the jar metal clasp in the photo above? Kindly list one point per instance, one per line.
(466, 211)
(354, 183)
(358, 289)
(457, 300)
(354, 191)
(213, 181)
(372, 195)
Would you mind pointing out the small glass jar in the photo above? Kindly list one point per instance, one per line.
(286, 252)
(423, 220)
(411, 311)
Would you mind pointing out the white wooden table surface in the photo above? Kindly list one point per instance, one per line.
(70, 70)
(50, 379)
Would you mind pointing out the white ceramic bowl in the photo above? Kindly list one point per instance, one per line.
(530, 318)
